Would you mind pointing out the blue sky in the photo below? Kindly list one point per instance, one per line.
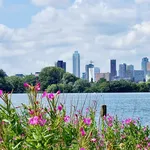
(36, 33)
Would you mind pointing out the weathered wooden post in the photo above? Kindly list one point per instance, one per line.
(103, 111)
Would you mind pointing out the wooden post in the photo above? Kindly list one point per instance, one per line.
(103, 111)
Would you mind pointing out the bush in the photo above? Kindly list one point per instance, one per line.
(51, 128)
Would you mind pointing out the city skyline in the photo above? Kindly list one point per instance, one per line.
(36, 33)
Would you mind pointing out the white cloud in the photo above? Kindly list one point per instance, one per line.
(99, 30)
(55, 3)
(142, 1)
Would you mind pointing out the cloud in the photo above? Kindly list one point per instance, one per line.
(99, 30)
(55, 3)
(142, 1)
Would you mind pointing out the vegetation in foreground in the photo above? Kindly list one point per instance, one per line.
(53, 79)
(51, 128)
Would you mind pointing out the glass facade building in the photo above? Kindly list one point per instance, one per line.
(76, 64)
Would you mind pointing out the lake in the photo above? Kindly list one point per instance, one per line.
(124, 105)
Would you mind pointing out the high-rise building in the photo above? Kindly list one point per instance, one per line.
(89, 69)
(129, 71)
(96, 71)
(122, 70)
(76, 64)
(84, 76)
(144, 65)
(61, 64)
(113, 71)
(139, 75)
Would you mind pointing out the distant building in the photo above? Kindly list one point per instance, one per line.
(76, 64)
(102, 75)
(89, 69)
(37, 74)
(96, 71)
(144, 65)
(61, 64)
(19, 75)
(148, 66)
(139, 75)
(129, 71)
(122, 71)
(84, 76)
(113, 71)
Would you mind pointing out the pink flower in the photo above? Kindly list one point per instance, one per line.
(26, 85)
(146, 138)
(87, 121)
(44, 94)
(37, 120)
(1, 92)
(37, 87)
(82, 131)
(110, 124)
(58, 92)
(93, 140)
(82, 148)
(51, 96)
(60, 107)
(128, 121)
(34, 120)
(31, 112)
(138, 146)
(87, 110)
(42, 122)
(148, 144)
(66, 118)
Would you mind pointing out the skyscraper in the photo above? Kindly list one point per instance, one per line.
(96, 71)
(61, 64)
(130, 71)
(89, 69)
(76, 64)
(122, 70)
(144, 65)
(113, 71)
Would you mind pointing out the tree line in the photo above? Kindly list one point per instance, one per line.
(53, 79)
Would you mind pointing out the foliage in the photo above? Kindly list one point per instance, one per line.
(80, 86)
(69, 78)
(50, 75)
(34, 126)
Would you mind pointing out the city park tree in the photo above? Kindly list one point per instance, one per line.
(50, 75)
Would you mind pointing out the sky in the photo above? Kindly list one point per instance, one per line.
(36, 33)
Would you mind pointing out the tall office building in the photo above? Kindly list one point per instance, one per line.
(113, 71)
(89, 69)
(139, 75)
(122, 70)
(129, 71)
(144, 65)
(61, 64)
(76, 64)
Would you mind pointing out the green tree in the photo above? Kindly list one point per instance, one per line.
(143, 87)
(31, 79)
(104, 87)
(69, 78)
(101, 80)
(2, 73)
(16, 84)
(50, 75)
(80, 86)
